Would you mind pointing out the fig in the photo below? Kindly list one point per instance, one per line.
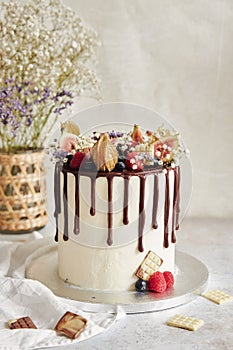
(68, 142)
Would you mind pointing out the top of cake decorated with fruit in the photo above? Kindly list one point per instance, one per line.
(134, 150)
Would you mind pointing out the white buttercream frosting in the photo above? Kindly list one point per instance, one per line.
(86, 260)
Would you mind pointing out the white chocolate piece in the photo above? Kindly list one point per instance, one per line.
(189, 323)
(217, 296)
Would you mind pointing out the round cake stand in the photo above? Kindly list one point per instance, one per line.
(190, 281)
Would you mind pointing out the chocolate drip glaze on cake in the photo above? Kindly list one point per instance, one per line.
(126, 176)
(65, 203)
(175, 213)
(177, 210)
(166, 210)
(142, 215)
(57, 196)
(126, 201)
(93, 187)
(76, 217)
(155, 202)
(110, 209)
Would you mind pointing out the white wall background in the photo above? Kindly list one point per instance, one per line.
(176, 57)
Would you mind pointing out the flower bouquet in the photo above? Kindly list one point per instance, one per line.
(44, 66)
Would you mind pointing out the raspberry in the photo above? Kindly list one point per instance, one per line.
(134, 162)
(157, 282)
(77, 160)
(169, 278)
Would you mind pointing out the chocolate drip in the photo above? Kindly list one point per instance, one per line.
(126, 201)
(155, 202)
(76, 217)
(166, 211)
(142, 215)
(110, 209)
(175, 203)
(177, 208)
(57, 196)
(65, 233)
(93, 190)
(126, 175)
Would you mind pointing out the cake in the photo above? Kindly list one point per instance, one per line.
(117, 205)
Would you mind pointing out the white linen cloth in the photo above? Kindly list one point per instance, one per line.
(24, 297)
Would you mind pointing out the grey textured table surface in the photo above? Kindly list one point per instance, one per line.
(211, 241)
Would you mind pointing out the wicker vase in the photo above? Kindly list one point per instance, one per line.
(22, 192)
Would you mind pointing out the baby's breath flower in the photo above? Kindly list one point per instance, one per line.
(46, 42)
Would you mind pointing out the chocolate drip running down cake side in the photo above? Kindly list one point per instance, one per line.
(117, 197)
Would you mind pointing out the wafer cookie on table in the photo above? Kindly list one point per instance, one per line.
(217, 296)
(185, 322)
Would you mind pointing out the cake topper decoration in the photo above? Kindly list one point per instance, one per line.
(134, 149)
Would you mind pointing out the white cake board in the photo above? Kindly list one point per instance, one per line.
(190, 281)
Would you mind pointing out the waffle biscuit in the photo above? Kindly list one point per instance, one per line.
(149, 265)
(22, 322)
(71, 324)
(217, 296)
(189, 323)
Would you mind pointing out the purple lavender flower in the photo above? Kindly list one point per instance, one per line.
(114, 134)
(62, 94)
(21, 105)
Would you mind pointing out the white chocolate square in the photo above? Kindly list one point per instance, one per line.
(217, 296)
(189, 323)
(149, 265)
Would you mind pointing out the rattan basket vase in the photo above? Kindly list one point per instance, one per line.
(22, 192)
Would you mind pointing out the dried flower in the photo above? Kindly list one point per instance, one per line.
(27, 114)
(46, 43)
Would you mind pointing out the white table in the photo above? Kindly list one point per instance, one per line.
(211, 241)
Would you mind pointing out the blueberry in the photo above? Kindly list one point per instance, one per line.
(120, 166)
(141, 285)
